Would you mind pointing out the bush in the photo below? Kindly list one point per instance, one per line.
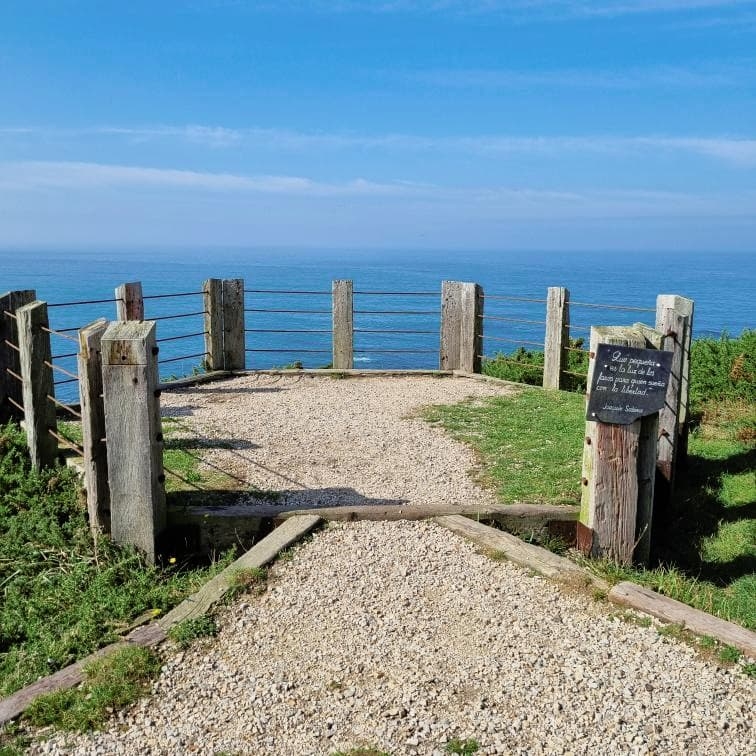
(723, 369)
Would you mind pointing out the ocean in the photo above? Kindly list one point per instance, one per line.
(723, 286)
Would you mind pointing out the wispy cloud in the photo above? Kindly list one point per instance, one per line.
(736, 150)
(79, 175)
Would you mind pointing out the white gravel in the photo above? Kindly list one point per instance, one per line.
(400, 636)
(329, 442)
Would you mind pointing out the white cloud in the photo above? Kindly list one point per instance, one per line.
(79, 175)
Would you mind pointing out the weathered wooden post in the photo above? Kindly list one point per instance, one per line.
(134, 435)
(93, 426)
(628, 385)
(212, 292)
(233, 324)
(557, 336)
(342, 294)
(666, 323)
(129, 301)
(11, 394)
(35, 359)
(461, 326)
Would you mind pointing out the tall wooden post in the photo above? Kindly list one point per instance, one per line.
(212, 291)
(451, 324)
(618, 473)
(35, 358)
(233, 324)
(343, 324)
(93, 426)
(134, 435)
(557, 336)
(685, 307)
(129, 301)
(11, 394)
(471, 328)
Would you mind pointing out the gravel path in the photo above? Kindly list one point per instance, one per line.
(328, 442)
(400, 636)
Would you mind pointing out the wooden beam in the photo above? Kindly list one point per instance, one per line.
(35, 358)
(694, 620)
(557, 336)
(92, 410)
(526, 555)
(451, 324)
(11, 393)
(471, 328)
(234, 356)
(129, 301)
(343, 325)
(212, 292)
(134, 435)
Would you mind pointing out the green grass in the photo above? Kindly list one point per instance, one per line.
(185, 633)
(465, 747)
(63, 595)
(530, 444)
(111, 682)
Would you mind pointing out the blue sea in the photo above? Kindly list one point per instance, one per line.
(722, 285)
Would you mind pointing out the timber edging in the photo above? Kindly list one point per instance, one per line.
(156, 632)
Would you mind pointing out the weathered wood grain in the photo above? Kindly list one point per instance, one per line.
(233, 324)
(471, 328)
(134, 435)
(557, 336)
(525, 554)
(92, 410)
(258, 556)
(35, 358)
(669, 610)
(212, 293)
(451, 324)
(129, 301)
(618, 480)
(343, 325)
(10, 387)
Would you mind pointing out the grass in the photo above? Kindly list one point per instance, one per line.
(704, 551)
(529, 444)
(185, 633)
(112, 682)
(463, 747)
(65, 595)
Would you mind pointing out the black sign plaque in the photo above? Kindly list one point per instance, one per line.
(628, 383)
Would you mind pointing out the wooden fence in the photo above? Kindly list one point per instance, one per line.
(117, 369)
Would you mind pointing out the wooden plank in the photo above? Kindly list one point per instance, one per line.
(451, 325)
(685, 307)
(37, 383)
(234, 356)
(471, 328)
(92, 410)
(617, 485)
(212, 292)
(258, 556)
(557, 336)
(10, 387)
(129, 301)
(343, 325)
(196, 380)
(134, 435)
(694, 620)
(525, 554)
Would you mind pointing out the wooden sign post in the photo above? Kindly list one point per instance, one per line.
(628, 386)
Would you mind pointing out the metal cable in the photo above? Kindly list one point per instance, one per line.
(398, 293)
(396, 312)
(185, 336)
(66, 442)
(64, 406)
(512, 341)
(83, 302)
(184, 357)
(512, 299)
(11, 345)
(306, 312)
(168, 296)
(512, 320)
(613, 307)
(61, 370)
(285, 291)
(185, 315)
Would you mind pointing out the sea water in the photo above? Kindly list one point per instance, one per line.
(723, 286)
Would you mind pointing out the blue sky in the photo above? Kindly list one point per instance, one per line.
(486, 124)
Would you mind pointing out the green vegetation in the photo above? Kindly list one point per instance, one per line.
(362, 751)
(530, 447)
(530, 444)
(63, 594)
(526, 366)
(113, 681)
(185, 633)
(463, 747)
